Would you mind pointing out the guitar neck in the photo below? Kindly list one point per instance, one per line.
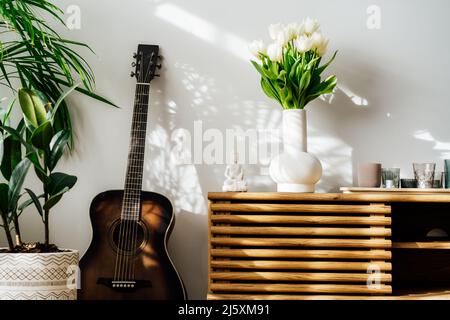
(135, 168)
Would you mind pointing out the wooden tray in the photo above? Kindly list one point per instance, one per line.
(394, 190)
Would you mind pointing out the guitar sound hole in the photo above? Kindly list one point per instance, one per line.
(128, 236)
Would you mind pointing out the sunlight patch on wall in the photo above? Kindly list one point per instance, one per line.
(442, 146)
(335, 156)
(203, 30)
(178, 182)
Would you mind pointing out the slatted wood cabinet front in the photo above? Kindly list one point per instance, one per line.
(295, 249)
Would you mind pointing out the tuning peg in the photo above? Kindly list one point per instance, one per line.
(134, 55)
(159, 66)
(160, 57)
(157, 75)
(132, 74)
(133, 64)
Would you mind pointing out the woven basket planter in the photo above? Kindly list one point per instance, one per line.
(39, 276)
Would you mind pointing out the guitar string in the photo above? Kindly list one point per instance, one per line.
(117, 269)
(136, 192)
(140, 166)
(127, 199)
(136, 205)
(123, 269)
(129, 259)
(125, 206)
(143, 112)
(136, 202)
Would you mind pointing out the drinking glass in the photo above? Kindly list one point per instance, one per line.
(447, 173)
(424, 174)
(390, 177)
(439, 179)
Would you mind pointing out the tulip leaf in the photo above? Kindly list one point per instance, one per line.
(42, 136)
(322, 68)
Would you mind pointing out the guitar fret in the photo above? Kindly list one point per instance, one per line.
(131, 202)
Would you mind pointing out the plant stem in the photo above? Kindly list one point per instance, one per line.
(8, 233)
(17, 229)
(46, 222)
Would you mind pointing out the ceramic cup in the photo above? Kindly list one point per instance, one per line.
(369, 175)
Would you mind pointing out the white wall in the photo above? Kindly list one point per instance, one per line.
(401, 71)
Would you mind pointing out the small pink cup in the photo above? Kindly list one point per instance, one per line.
(369, 175)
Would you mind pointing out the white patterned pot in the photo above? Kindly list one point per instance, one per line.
(295, 170)
(39, 276)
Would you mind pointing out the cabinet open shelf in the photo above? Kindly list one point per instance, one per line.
(433, 245)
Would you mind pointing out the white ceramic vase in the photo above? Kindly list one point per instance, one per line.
(39, 276)
(295, 170)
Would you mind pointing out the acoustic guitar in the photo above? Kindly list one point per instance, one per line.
(128, 258)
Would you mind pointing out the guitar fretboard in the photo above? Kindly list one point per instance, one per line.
(133, 180)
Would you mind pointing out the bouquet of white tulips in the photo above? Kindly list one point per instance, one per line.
(290, 67)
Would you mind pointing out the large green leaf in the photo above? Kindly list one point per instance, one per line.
(59, 181)
(35, 200)
(6, 113)
(57, 146)
(12, 154)
(4, 201)
(33, 52)
(17, 135)
(42, 136)
(61, 99)
(16, 182)
(35, 160)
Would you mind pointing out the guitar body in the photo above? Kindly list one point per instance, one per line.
(145, 261)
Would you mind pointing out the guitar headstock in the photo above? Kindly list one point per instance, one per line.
(147, 61)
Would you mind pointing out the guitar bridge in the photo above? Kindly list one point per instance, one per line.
(124, 285)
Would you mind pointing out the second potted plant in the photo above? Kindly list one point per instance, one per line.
(291, 71)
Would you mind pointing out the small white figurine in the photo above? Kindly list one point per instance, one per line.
(234, 174)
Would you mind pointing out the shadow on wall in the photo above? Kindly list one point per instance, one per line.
(187, 185)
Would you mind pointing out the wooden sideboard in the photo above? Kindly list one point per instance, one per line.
(329, 246)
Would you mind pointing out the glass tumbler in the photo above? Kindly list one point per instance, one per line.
(424, 174)
(390, 177)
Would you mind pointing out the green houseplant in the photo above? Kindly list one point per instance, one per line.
(43, 147)
(291, 74)
(35, 55)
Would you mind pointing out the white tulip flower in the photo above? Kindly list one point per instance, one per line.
(274, 30)
(275, 52)
(257, 47)
(319, 42)
(322, 48)
(303, 44)
(310, 25)
(283, 36)
(294, 30)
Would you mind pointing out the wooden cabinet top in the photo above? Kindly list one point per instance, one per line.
(325, 197)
